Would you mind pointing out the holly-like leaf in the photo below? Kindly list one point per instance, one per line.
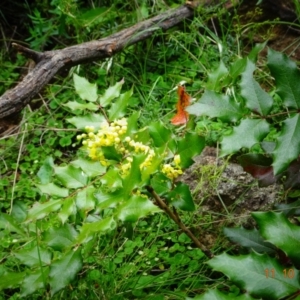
(85, 90)
(288, 144)
(217, 295)
(112, 179)
(39, 211)
(134, 208)
(61, 238)
(11, 280)
(85, 199)
(34, 256)
(91, 168)
(74, 105)
(34, 281)
(159, 133)
(259, 166)
(237, 68)
(287, 78)
(70, 177)
(217, 105)
(8, 223)
(109, 200)
(189, 146)
(248, 133)
(46, 171)
(89, 229)
(117, 109)
(87, 120)
(256, 98)
(180, 197)
(250, 239)
(160, 183)
(63, 270)
(216, 78)
(111, 93)
(253, 274)
(278, 230)
(53, 189)
(68, 208)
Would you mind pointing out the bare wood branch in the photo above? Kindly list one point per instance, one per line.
(50, 62)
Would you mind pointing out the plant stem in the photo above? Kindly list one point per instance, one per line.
(175, 217)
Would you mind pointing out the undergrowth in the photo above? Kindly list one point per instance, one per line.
(76, 227)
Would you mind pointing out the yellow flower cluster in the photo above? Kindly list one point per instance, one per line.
(107, 135)
(173, 170)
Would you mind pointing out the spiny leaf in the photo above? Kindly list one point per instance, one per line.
(288, 144)
(278, 230)
(247, 134)
(217, 105)
(68, 209)
(85, 90)
(216, 77)
(8, 223)
(34, 281)
(189, 146)
(70, 177)
(159, 133)
(250, 239)
(39, 211)
(249, 272)
(134, 208)
(46, 171)
(111, 93)
(287, 78)
(60, 238)
(34, 256)
(63, 270)
(180, 197)
(74, 105)
(53, 189)
(256, 98)
(85, 199)
(91, 168)
(117, 109)
(87, 120)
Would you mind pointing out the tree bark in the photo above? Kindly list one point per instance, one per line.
(50, 62)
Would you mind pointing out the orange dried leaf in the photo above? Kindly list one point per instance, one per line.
(181, 116)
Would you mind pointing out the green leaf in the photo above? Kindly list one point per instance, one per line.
(278, 230)
(85, 90)
(134, 208)
(34, 256)
(238, 67)
(217, 77)
(248, 133)
(68, 209)
(217, 105)
(253, 273)
(217, 295)
(70, 177)
(90, 167)
(74, 105)
(61, 238)
(181, 197)
(112, 179)
(117, 109)
(159, 133)
(161, 184)
(89, 229)
(53, 189)
(87, 120)
(250, 239)
(64, 270)
(85, 199)
(189, 146)
(46, 171)
(111, 93)
(256, 98)
(288, 144)
(11, 280)
(287, 78)
(109, 200)
(255, 51)
(65, 141)
(34, 281)
(8, 223)
(39, 211)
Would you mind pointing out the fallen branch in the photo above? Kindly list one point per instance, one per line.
(50, 62)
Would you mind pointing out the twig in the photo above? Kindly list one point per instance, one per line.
(175, 217)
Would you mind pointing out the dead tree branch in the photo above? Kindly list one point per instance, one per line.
(50, 62)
